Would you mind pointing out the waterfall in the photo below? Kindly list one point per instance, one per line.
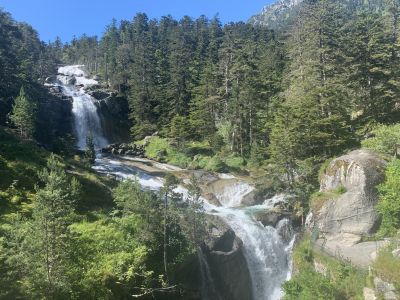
(73, 81)
(266, 249)
(208, 289)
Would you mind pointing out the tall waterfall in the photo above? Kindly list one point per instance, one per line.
(266, 253)
(73, 81)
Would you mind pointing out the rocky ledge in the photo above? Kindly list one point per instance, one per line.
(125, 149)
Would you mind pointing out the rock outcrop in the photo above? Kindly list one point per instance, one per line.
(54, 116)
(113, 112)
(227, 265)
(353, 213)
(125, 149)
(271, 217)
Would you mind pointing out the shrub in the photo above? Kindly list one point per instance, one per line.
(215, 164)
(385, 141)
(389, 200)
(341, 281)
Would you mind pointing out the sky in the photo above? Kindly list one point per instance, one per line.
(66, 18)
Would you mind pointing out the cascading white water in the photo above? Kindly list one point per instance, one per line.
(266, 253)
(86, 119)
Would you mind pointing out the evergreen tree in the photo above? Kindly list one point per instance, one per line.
(23, 115)
(41, 248)
(90, 152)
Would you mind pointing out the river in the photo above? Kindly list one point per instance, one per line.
(266, 253)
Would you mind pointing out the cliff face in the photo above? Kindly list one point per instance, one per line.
(54, 117)
(226, 264)
(113, 113)
(353, 212)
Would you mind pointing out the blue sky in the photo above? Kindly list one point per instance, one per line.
(66, 18)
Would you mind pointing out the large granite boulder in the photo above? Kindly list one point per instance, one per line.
(223, 252)
(353, 212)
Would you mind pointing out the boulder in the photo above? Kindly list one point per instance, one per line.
(353, 212)
(386, 289)
(271, 217)
(223, 251)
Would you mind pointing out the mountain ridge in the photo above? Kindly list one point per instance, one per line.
(276, 14)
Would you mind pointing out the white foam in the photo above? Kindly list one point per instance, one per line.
(73, 70)
(232, 194)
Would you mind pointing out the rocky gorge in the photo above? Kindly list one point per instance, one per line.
(241, 258)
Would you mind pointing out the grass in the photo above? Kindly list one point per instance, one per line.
(162, 150)
(318, 199)
(387, 267)
(20, 162)
(341, 281)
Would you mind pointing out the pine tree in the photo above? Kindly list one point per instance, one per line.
(23, 115)
(90, 152)
(41, 248)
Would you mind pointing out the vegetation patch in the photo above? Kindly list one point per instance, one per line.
(318, 199)
(387, 266)
(194, 155)
(339, 281)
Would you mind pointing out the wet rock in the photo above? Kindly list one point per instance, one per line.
(271, 217)
(113, 112)
(124, 149)
(212, 199)
(228, 267)
(71, 80)
(51, 79)
(285, 230)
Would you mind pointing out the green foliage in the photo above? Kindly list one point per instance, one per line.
(318, 199)
(111, 261)
(385, 140)
(389, 200)
(23, 115)
(180, 129)
(162, 150)
(24, 60)
(386, 266)
(234, 162)
(215, 164)
(42, 246)
(90, 153)
(341, 281)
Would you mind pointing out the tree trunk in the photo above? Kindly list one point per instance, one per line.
(165, 236)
